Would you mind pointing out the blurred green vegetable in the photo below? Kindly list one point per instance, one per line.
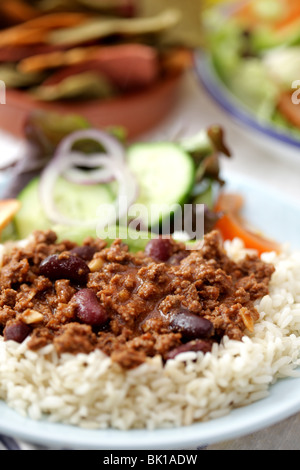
(13, 78)
(45, 131)
(81, 86)
(97, 28)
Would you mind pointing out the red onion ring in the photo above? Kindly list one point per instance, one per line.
(78, 176)
(59, 165)
(111, 145)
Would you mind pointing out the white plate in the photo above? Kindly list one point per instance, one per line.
(279, 217)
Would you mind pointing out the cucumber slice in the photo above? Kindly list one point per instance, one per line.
(166, 176)
(73, 200)
(136, 240)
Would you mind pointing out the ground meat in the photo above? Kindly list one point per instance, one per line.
(140, 306)
(75, 338)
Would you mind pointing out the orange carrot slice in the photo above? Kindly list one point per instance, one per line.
(8, 209)
(231, 225)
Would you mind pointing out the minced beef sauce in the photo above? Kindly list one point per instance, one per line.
(132, 306)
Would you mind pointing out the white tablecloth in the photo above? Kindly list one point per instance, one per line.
(271, 167)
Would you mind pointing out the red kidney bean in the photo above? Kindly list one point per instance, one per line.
(85, 252)
(191, 326)
(88, 308)
(159, 249)
(65, 266)
(16, 331)
(195, 346)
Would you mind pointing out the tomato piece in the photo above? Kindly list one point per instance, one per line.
(229, 202)
(289, 17)
(290, 110)
(231, 225)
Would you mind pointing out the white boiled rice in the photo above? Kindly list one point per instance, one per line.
(90, 391)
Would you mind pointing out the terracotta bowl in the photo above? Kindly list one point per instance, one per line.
(138, 112)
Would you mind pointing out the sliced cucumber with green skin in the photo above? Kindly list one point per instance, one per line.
(166, 175)
(136, 240)
(75, 201)
(75, 234)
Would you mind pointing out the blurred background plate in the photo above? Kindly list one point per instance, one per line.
(250, 67)
(268, 136)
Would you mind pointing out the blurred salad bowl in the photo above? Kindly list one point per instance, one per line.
(251, 68)
(99, 59)
(126, 111)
